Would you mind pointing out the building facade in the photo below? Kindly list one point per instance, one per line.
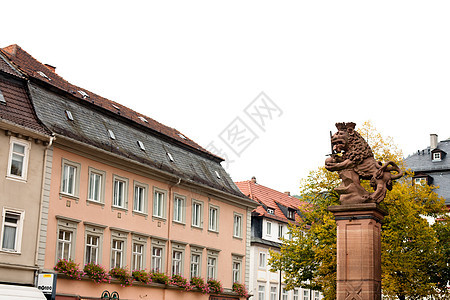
(269, 225)
(432, 166)
(126, 191)
(25, 141)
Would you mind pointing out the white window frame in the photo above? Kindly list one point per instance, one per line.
(18, 229)
(280, 231)
(159, 205)
(115, 194)
(236, 269)
(157, 260)
(25, 156)
(212, 268)
(273, 292)
(437, 156)
(261, 292)
(76, 178)
(137, 256)
(142, 241)
(70, 226)
(316, 295)
(195, 265)
(262, 260)
(177, 266)
(179, 209)
(284, 293)
(213, 218)
(197, 213)
(101, 186)
(118, 238)
(93, 231)
(143, 197)
(269, 228)
(305, 294)
(237, 225)
(295, 294)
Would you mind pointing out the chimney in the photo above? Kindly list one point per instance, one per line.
(433, 141)
(254, 179)
(288, 193)
(51, 68)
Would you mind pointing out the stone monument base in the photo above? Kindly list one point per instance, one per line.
(358, 251)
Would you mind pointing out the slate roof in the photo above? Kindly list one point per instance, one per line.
(439, 171)
(94, 116)
(17, 107)
(270, 198)
(38, 71)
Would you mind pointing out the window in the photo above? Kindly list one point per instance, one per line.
(237, 263)
(118, 249)
(2, 98)
(296, 294)
(140, 197)
(70, 178)
(177, 260)
(306, 295)
(262, 260)
(284, 294)
(273, 293)
(93, 243)
(197, 213)
(420, 181)
(269, 228)
(316, 295)
(437, 156)
(137, 257)
(157, 259)
(65, 247)
(280, 230)
(261, 292)
(195, 265)
(117, 253)
(69, 115)
(12, 230)
(237, 227)
(159, 204)
(291, 214)
(96, 185)
(120, 191)
(18, 158)
(157, 252)
(212, 260)
(271, 211)
(178, 209)
(213, 223)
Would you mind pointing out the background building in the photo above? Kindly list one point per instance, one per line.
(269, 224)
(127, 191)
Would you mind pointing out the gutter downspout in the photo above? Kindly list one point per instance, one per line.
(44, 168)
(169, 222)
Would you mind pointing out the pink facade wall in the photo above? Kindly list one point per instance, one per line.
(86, 211)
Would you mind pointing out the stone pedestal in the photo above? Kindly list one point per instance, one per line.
(358, 251)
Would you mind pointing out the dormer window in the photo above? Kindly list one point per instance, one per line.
(271, 211)
(437, 156)
(2, 99)
(111, 134)
(420, 181)
(69, 115)
(291, 214)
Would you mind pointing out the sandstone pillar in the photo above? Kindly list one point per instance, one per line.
(358, 251)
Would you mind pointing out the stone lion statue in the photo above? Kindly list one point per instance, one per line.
(353, 159)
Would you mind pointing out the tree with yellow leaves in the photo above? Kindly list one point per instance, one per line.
(415, 261)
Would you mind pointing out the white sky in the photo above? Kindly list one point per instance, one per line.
(196, 65)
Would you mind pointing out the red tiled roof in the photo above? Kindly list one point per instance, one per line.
(18, 108)
(269, 197)
(33, 68)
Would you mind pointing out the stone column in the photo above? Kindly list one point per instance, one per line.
(358, 251)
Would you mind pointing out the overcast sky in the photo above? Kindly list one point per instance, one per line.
(263, 82)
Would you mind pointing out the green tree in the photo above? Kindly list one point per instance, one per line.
(414, 257)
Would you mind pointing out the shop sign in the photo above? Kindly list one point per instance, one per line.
(47, 284)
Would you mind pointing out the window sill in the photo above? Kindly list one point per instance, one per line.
(140, 213)
(179, 223)
(119, 208)
(17, 179)
(213, 231)
(10, 252)
(73, 197)
(94, 202)
(158, 218)
(196, 227)
(237, 237)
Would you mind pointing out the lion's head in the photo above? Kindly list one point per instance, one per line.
(349, 143)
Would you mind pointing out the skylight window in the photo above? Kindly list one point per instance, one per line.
(115, 106)
(170, 156)
(111, 134)
(43, 75)
(217, 174)
(2, 99)
(182, 136)
(143, 119)
(141, 145)
(83, 94)
(69, 115)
